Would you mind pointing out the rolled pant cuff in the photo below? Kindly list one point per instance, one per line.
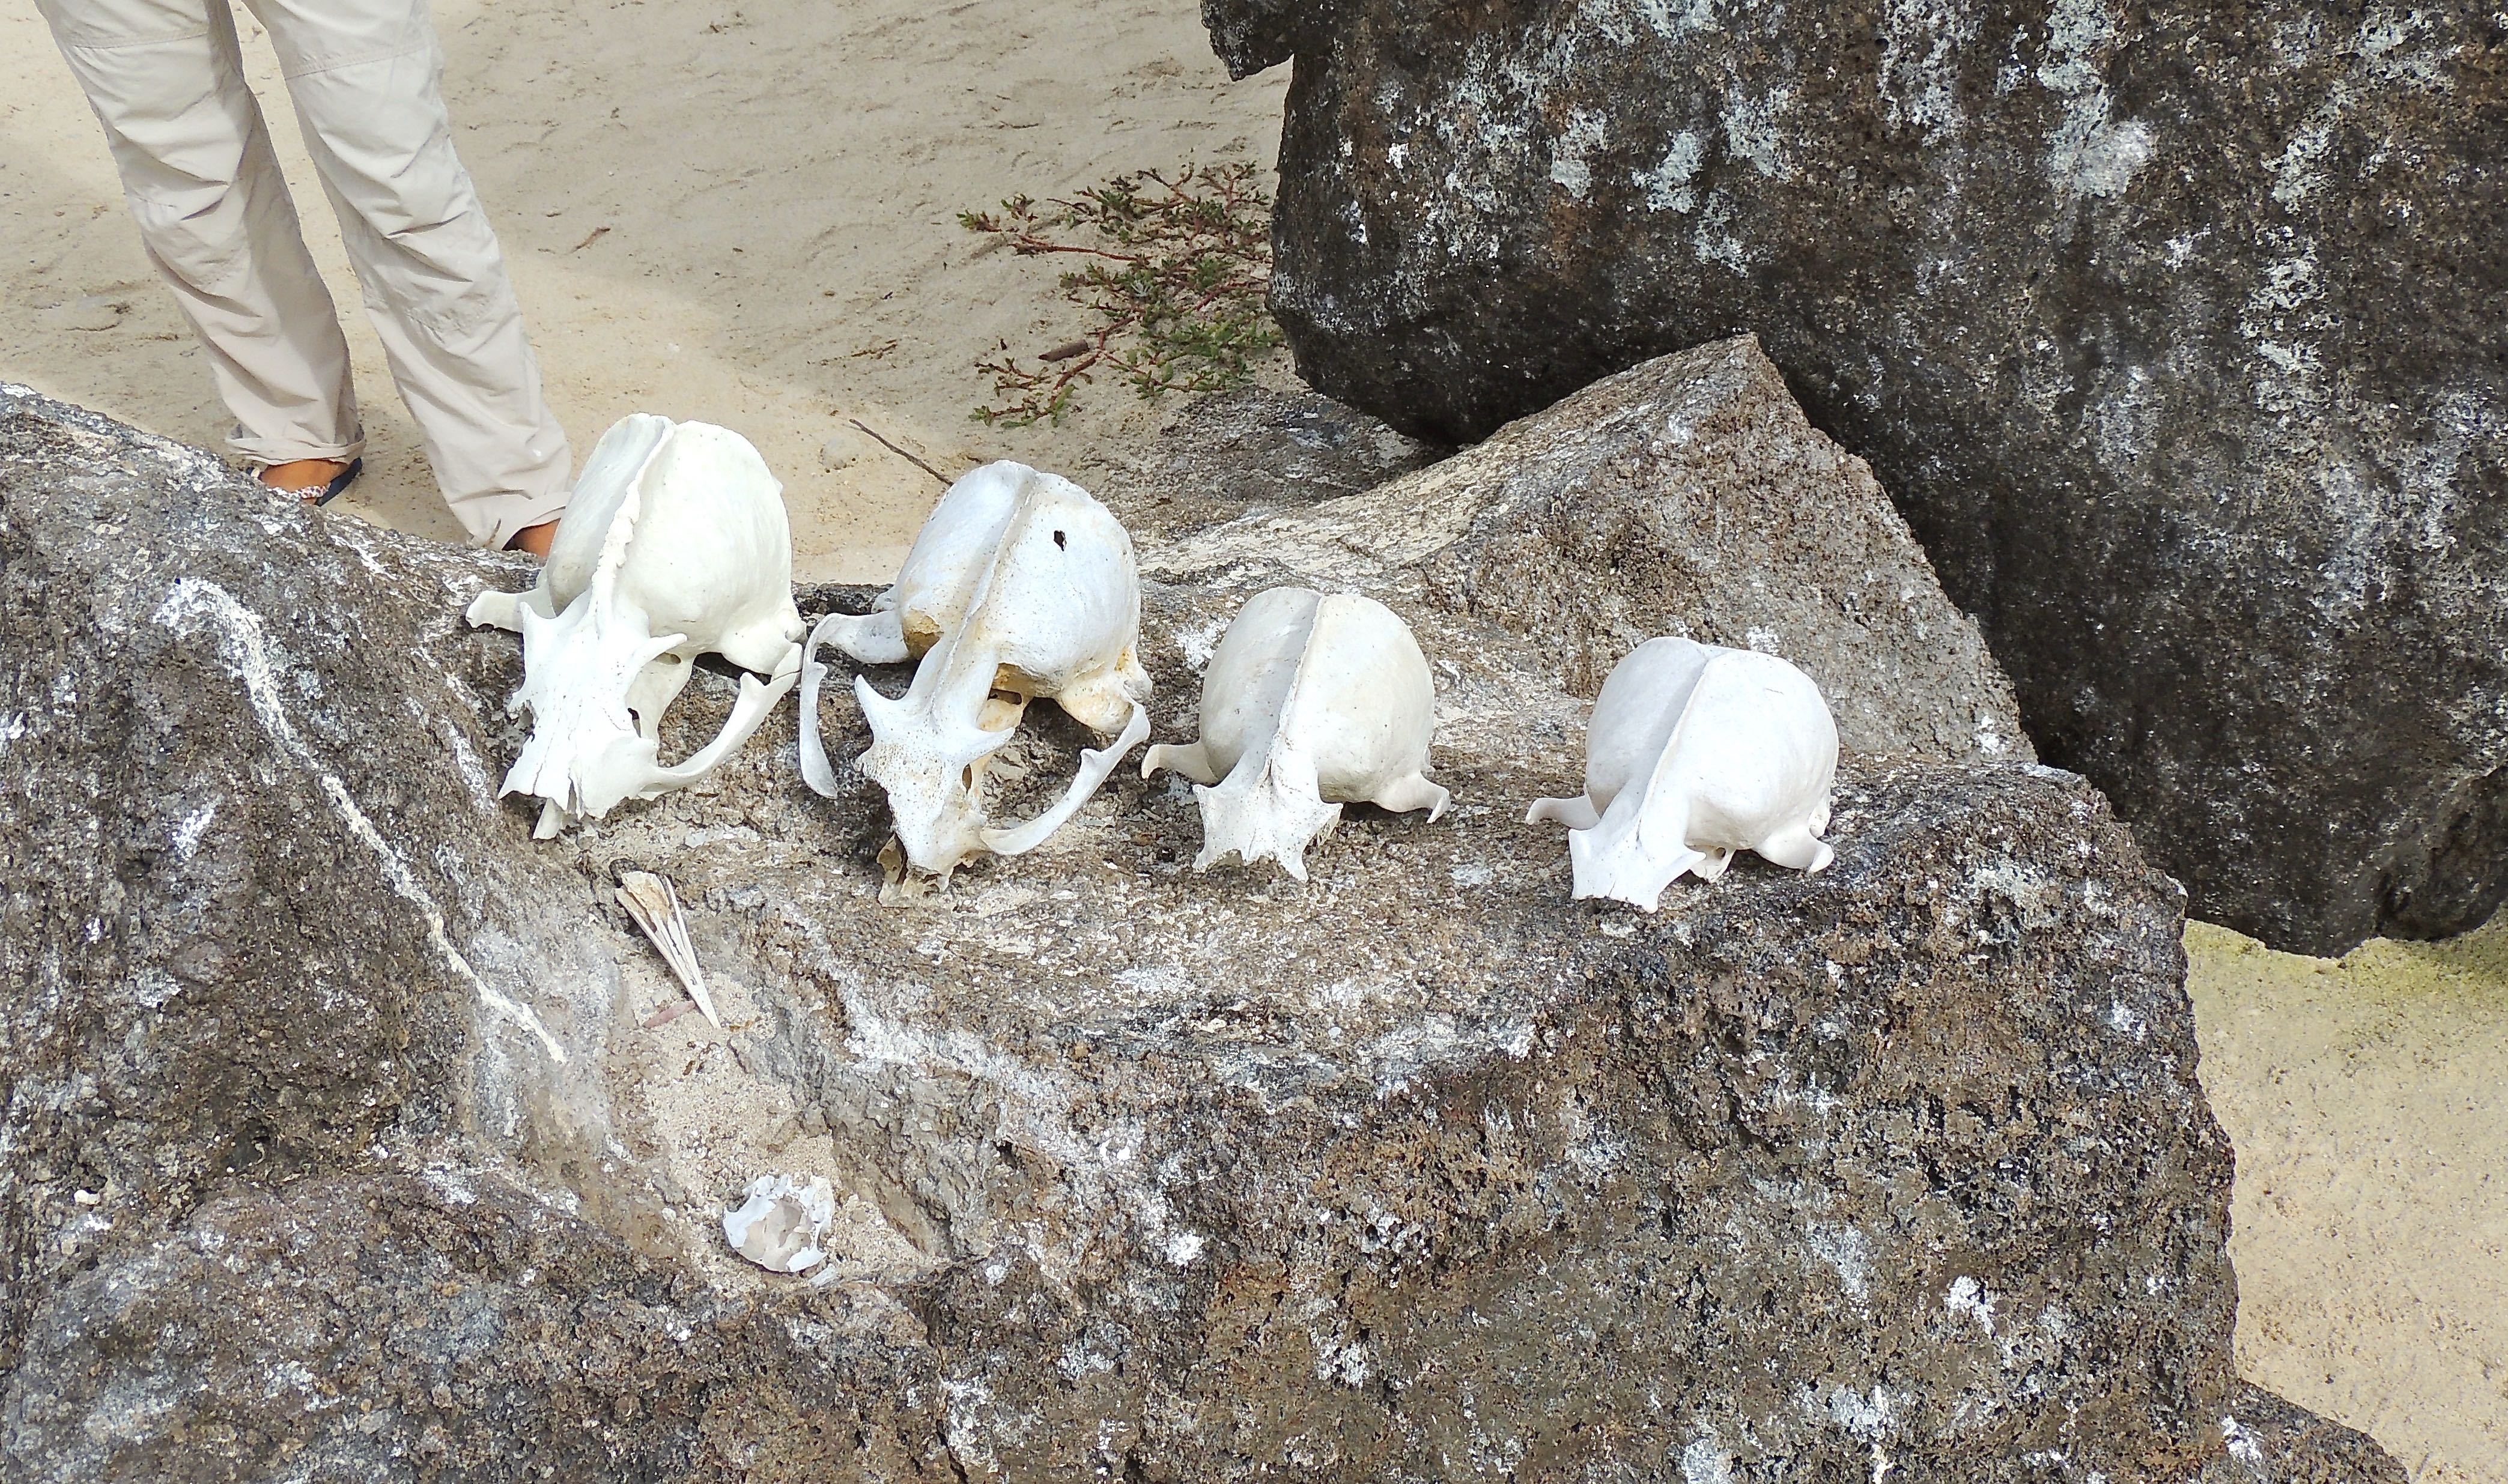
(261, 452)
(518, 514)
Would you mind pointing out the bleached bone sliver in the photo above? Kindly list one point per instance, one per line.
(1311, 702)
(1696, 752)
(654, 903)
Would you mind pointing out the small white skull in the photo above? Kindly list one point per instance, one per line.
(1696, 752)
(1309, 702)
(676, 545)
(1019, 587)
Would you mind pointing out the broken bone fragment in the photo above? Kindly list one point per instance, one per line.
(654, 903)
(781, 1223)
(1312, 701)
(676, 545)
(1696, 752)
(1020, 586)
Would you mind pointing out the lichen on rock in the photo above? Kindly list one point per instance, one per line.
(2173, 328)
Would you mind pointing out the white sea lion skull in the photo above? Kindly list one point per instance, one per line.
(1020, 586)
(1696, 752)
(1311, 702)
(676, 544)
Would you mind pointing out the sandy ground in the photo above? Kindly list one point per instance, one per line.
(746, 212)
(2368, 1102)
(743, 211)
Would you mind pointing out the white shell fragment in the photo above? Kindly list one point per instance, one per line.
(1309, 702)
(676, 545)
(654, 903)
(781, 1225)
(1019, 587)
(1696, 752)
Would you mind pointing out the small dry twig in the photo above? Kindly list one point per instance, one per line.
(900, 452)
(1177, 272)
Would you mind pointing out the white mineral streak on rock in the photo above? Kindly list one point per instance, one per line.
(2242, 1444)
(676, 545)
(194, 825)
(1696, 752)
(1582, 137)
(2088, 154)
(197, 601)
(1969, 1298)
(1847, 1250)
(2285, 314)
(1705, 1461)
(1312, 702)
(1031, 1105)
(1019, 587)
(781, 1223)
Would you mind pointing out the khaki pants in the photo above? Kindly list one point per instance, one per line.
(166, 80)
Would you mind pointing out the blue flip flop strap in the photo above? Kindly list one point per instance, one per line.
(341, 481)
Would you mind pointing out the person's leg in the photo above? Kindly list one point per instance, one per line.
(166, 79)
(364, 75)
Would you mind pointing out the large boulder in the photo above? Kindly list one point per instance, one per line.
(350, 1134)
(2175, 330)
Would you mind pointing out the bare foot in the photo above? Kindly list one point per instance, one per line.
(533, 539)
(303, 476)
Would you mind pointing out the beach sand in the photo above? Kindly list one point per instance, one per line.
(2368, 1101)
(747, 213)
(740, 213)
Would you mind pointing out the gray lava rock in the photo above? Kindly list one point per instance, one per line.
(2174, 329)
(1688, 495)
(1258, 447)
(1417, 1170)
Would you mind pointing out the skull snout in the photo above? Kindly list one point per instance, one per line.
(928, 765)
(932, 800)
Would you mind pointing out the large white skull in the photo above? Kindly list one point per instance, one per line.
(676, 545)
(1696, 752)
(1019, 587)
(1309, 702)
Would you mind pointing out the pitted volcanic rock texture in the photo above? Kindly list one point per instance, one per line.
(351, 1136)
(2173, 328)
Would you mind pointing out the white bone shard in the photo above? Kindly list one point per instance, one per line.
(1019, 587)
(1311, 702)
(783, 1223)
(654, 903)
(676, 545)
(1696, 752)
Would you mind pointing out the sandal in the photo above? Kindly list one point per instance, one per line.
(339, 482)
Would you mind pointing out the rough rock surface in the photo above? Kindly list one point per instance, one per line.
(1419, 1170)
(1259, 448)
(2174, 329)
